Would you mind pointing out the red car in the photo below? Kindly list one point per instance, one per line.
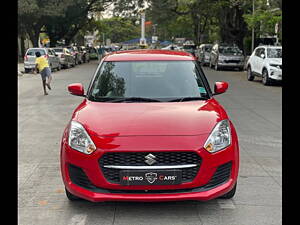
(149, 129)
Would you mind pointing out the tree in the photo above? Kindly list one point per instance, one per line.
(118, 29)
(32, 15)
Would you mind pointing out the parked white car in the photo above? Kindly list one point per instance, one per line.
(265, 62)
(49, 54)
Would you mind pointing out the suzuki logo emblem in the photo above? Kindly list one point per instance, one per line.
(150, 159)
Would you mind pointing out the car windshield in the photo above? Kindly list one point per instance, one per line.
(159, 80)
(274, 53)
(32, 52)
(230, 50)
(58, 49)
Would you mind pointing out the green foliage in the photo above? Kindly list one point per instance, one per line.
(264, 18)
(117, 29)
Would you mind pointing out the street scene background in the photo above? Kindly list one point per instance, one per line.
(92, 29)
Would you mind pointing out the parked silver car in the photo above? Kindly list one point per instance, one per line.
(65, 57)
(203, 54)
(229, 56)
(49, 54)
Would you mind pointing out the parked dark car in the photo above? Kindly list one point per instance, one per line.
(84, 54)
(190, 48)
(76, 54)
(224, 55)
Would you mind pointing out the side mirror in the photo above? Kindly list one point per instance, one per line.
(262, 56)
(220, 87)
(76, 89)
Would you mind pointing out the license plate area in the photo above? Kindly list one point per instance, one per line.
(150, 177)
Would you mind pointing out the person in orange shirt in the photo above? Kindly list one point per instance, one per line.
(42, 65)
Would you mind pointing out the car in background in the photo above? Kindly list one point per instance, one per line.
(29, 58)
(190, 48)
(94, 54)
(76, 54)
(170, 139)
(265, 62)
(226, 56)
(85, 55)
(171, 47)
(65, 57)
(203, 54)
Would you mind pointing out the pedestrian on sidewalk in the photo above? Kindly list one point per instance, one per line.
(42, 65)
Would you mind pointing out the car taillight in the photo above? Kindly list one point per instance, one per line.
(25, 58)
(46, 56)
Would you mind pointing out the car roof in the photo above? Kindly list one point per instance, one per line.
(36, 48)
(149, 55)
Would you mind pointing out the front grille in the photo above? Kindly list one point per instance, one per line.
(221, 176)
(232, 61)
(138, 159)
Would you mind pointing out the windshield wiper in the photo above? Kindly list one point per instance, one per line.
(134, 99)
(188, 99)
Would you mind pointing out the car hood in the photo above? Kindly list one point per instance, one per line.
(231, 56)
(277, 61)
(134, 119)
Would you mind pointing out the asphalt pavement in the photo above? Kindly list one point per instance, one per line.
(255, 110)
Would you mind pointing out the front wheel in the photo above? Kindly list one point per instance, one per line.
(250, 76)
(265, 78)
(70, 196)
(230, 194)
(216, 66)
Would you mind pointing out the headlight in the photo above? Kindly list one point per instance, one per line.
(222, 59)
(79, 139)
(219, 138)
(274, 65)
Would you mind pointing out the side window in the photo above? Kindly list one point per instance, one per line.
(262, 52)
(257, 52)
(50, 52)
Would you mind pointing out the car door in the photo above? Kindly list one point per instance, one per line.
(260, 61)
(51, 59)
(254, 60)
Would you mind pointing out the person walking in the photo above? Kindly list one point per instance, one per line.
(42, 65)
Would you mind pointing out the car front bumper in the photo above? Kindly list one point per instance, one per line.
(275, 74)
(29, 65)
(231, 65)
(96, 187)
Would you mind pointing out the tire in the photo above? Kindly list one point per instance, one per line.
(250, 76)
(216, 66)
(27, 70)
(230, 194)
(265, 78)
(71, 197)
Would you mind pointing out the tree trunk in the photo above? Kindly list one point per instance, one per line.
(22, 40)
(232, 26)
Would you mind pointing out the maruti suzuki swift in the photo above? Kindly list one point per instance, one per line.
(149, 129)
